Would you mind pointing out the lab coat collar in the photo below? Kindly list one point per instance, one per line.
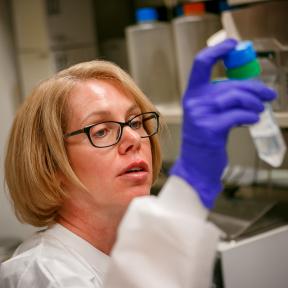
(94, 257)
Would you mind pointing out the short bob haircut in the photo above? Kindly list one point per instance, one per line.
(36, 153)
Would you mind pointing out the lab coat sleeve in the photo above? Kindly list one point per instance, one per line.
(164, 241)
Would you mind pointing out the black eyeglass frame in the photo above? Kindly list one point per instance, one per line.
(86, 130)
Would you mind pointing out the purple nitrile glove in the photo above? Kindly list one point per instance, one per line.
(210, 110)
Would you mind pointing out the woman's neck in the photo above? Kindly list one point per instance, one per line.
(99, 229)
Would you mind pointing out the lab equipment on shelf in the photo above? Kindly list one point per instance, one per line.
(191, 31)
(151, 56)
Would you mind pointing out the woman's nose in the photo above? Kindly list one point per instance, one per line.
(130, 140)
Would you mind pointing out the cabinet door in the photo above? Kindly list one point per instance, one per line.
(34, 67)
(30, 25)
(71, 23)
(57, 24)
(66, 58)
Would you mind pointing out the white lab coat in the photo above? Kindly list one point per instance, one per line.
(163, 241)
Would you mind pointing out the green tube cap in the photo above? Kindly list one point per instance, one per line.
(249, 70)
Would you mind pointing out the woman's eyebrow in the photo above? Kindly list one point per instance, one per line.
(95, 114)
(134, 108)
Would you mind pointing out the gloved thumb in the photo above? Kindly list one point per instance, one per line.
(205, 60)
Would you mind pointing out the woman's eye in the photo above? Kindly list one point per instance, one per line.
(100, 133)
(136, 124)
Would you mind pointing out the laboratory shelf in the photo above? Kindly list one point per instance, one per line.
(282, 119)
(172, 114)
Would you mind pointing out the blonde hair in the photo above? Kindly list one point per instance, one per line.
(36, 153)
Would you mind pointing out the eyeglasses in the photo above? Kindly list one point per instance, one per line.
(109, 133)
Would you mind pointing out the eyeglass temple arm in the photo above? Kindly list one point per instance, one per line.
(74, 133)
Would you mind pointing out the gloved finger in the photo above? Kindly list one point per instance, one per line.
(229, 99)
(238, 99)
(235, 118)
(205, 60)
(258, 88)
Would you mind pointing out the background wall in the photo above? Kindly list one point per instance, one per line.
(9, 225)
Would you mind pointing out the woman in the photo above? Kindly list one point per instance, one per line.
(84, 144)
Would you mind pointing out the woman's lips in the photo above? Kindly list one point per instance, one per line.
(135, 167)
(136, 171)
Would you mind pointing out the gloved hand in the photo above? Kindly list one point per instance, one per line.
(210, 110)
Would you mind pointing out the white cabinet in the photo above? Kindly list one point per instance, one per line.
(33, 67)
(71, 23)
(52, 35)
(67, 57)
(30, 27)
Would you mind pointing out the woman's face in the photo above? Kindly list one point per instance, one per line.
(106, 172)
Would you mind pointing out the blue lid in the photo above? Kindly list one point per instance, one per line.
(242, 54)
(146, 14)
(179, 11)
